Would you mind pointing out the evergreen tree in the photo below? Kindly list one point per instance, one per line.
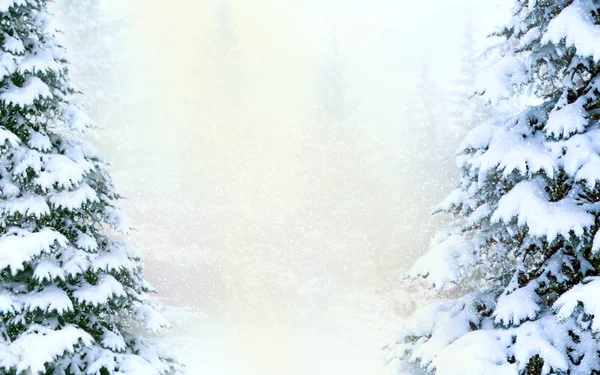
(336, 107)
(225, 37)
(462, 107)
(465, 108)
(92, 36)
(72, 297)
(427, 140)
(226, 63)
(525, 252)
(345, 175)
(426, 153)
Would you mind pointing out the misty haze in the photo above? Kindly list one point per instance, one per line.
(279, 163)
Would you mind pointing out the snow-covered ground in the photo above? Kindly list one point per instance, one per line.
(316, 326)
(208, 345)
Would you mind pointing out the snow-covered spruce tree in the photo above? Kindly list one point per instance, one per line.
(527, 251)
(226, 62)
(428, 143)
(71, 297)
(462, 106)
(92, 36)
(336, 106)
(425, 118)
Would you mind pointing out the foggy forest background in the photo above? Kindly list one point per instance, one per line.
(280, 161)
